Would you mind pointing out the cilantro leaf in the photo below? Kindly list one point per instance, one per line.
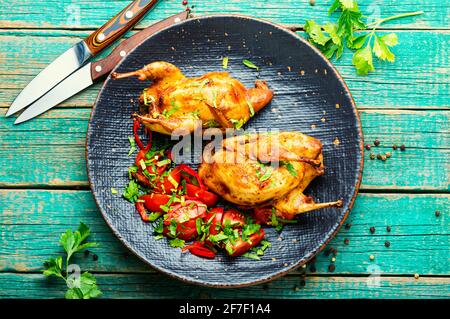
(382, 51)
(315, 32)
(390, 39)
(363, 61)
(331, 37)
(84, 286)
(176, 243)
(131, 191)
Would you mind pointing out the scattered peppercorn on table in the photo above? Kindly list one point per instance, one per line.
(396, 241)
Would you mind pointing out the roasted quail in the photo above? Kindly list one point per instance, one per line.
(242, 171)
(215, 99)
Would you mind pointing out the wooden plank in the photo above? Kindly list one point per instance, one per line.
(131, 286)
(57, 142)
(31, 222)
(418, 78)
(79, 14)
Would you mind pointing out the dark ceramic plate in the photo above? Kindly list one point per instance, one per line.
(310, 97)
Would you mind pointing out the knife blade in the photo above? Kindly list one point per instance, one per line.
(75, 57)
(88, 74)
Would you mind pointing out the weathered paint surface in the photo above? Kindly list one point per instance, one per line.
(402, 103)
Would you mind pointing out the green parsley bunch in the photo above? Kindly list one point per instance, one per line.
(332, 38)
(84, 286)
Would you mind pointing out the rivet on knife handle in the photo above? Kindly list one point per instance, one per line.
(104, 66)
(117, 26)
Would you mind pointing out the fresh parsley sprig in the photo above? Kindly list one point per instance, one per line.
(83, 286)
(332, 38)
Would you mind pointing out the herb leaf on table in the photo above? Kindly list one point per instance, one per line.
(83, 286)
(331, 38)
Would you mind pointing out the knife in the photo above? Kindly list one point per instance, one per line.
(76, 56)
(89, 73)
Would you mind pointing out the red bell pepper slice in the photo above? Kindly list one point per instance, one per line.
(141, 179)
(240, 246)
(200, 250)
(186, 216)
(234, 218)
(192, 172)
(141, 209)
(136, 126)
(210, 199)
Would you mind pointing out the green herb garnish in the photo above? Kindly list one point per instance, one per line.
(250, 64)
(289, 167)
(237, 123)
(225, 62)
(83, 286)
(132, 145)
(332, 38)
(131, 192)
(251, 109)
(176, 243)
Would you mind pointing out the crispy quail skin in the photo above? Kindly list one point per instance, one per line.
(175, 102)
(266, 170)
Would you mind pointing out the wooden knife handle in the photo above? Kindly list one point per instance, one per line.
(104, 66)
(117, 26)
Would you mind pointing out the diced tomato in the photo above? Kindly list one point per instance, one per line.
(210, 199)
(217, 212)
(185, 216)
(169, 182)
(151, 169)
(153, 202)
(234, 218)
(240, 247)
(200, 250)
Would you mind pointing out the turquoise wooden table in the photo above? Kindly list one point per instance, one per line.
(44, 187)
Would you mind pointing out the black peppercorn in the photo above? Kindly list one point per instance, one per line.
(394, 147)
(388, 229)
(376, 142)
(402, 147)
(437, 213)
(348, 225)
(346, 241)
(387, 243)
(331, 267)
(372, 229)
(94, 257)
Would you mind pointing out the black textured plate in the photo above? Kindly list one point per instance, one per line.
(310, 97)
